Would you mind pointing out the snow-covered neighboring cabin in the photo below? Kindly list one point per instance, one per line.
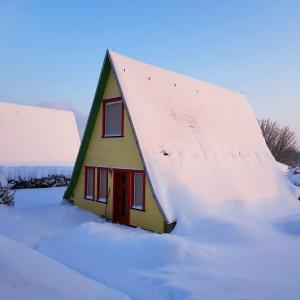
(161, 148)
(36, 142)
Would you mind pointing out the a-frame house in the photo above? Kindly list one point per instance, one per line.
(109, 176)
(159, 146)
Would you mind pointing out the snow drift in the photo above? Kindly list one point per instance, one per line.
(243, 258)
(28, 274)
(201, 143)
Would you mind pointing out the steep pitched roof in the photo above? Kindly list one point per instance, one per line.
(200, 143)
(33, 135)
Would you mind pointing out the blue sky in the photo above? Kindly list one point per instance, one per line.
(52, 51)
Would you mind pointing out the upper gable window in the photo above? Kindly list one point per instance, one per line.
(113, 118)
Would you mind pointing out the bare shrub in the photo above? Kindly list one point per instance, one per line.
(281, 141)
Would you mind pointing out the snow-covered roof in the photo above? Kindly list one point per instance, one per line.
(201, 144)
(37, 136)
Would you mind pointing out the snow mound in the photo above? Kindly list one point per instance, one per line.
(228, 260)
(131, 253)
(37, 136)
(28, 274)
(201, 144)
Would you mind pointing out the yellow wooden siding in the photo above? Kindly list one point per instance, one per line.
(118, 152)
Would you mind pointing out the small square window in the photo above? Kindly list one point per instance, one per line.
(113, 118)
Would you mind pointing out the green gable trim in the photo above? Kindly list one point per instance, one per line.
(106, 67)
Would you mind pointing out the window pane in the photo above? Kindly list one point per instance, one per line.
(90, 183)
(113, 119)
(102, 181)
(138, 190)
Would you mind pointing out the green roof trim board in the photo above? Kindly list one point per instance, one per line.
(89, 127)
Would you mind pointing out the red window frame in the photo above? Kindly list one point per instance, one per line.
(105, 102)
(133, 172)
(85, 183)
(98, 184)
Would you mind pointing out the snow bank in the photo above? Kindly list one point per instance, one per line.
(33, 136)
(28, 274)
(132, 258)
(232, 260)
(202, 146)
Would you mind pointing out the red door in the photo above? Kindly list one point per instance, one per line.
(121, 203)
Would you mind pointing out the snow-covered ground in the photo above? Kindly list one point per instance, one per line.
(294, 176)
(28, 274)
(75, 254)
